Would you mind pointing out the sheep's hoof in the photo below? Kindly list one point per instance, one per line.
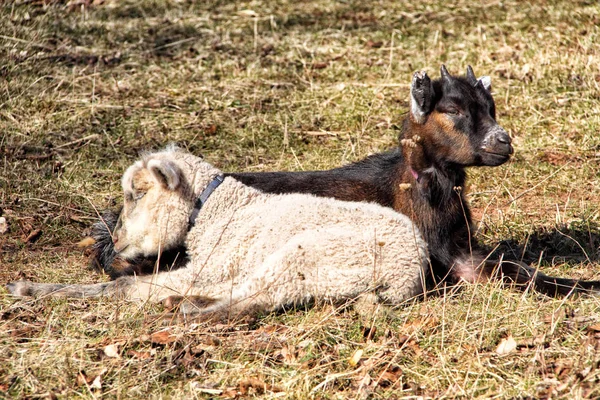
(188, 304)
(20, 288)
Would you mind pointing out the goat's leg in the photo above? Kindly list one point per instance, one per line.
(524, 275)
(521, 275)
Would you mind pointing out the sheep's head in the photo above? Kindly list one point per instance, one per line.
(157, 203)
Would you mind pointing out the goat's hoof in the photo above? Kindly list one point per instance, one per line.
(420, 80)
(422, 93)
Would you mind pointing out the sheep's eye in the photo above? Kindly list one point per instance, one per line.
(134, 197)
(139, 196)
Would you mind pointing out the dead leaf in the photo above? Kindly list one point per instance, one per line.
(355, 359)
(210, 130)
(507, 345)
(86, 242)
(270, 329)
(594, 328)
(319, 65)
(184, 358)
(560, 369)
(414, 346)
(267, 48)
(82, 379)
(26, 331)
(202, 348)
(363, 381)
(248, 13)
(390, 376)
(141, 355)
(427, 323)
(230, 393)
(287, 354)
(259, 386)
(112, 351)
(369, 332)
(33, 236)
(163, 337)
(94, 382)
(3, 225)
(338, 56)
(528, 343)
(97, 383)
(374, 45)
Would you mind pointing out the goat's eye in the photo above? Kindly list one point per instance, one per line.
(452, 111)
(129, 196)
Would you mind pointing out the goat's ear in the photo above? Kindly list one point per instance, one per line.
(166, 173)
(421, 95)
(485, 82)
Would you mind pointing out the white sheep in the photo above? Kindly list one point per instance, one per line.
(250, 251)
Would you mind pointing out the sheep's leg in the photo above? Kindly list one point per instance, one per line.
(145, 288)
(188, 304)
(26, 288)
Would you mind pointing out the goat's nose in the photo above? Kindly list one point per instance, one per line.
(503, 138)
(115, 238)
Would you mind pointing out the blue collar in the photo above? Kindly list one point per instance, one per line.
(217, 180)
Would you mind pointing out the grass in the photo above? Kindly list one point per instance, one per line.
(274, 85)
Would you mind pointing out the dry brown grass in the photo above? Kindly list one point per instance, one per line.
(85, 86)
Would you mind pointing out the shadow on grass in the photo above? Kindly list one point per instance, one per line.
(554, 246)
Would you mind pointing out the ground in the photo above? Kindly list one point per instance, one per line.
(85, 86)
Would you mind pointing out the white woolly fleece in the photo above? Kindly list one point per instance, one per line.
(254, 250)
(250, 251)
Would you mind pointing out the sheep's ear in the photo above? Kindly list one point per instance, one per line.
(127, 179)
(166, 173)
(421, 95)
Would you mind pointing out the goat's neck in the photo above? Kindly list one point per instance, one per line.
(421, 161)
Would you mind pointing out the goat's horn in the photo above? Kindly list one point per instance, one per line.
(471, 76)
(444, 72)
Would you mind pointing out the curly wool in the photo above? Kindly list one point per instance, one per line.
(250, 251)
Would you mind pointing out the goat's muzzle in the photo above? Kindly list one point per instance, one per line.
(496, 147)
